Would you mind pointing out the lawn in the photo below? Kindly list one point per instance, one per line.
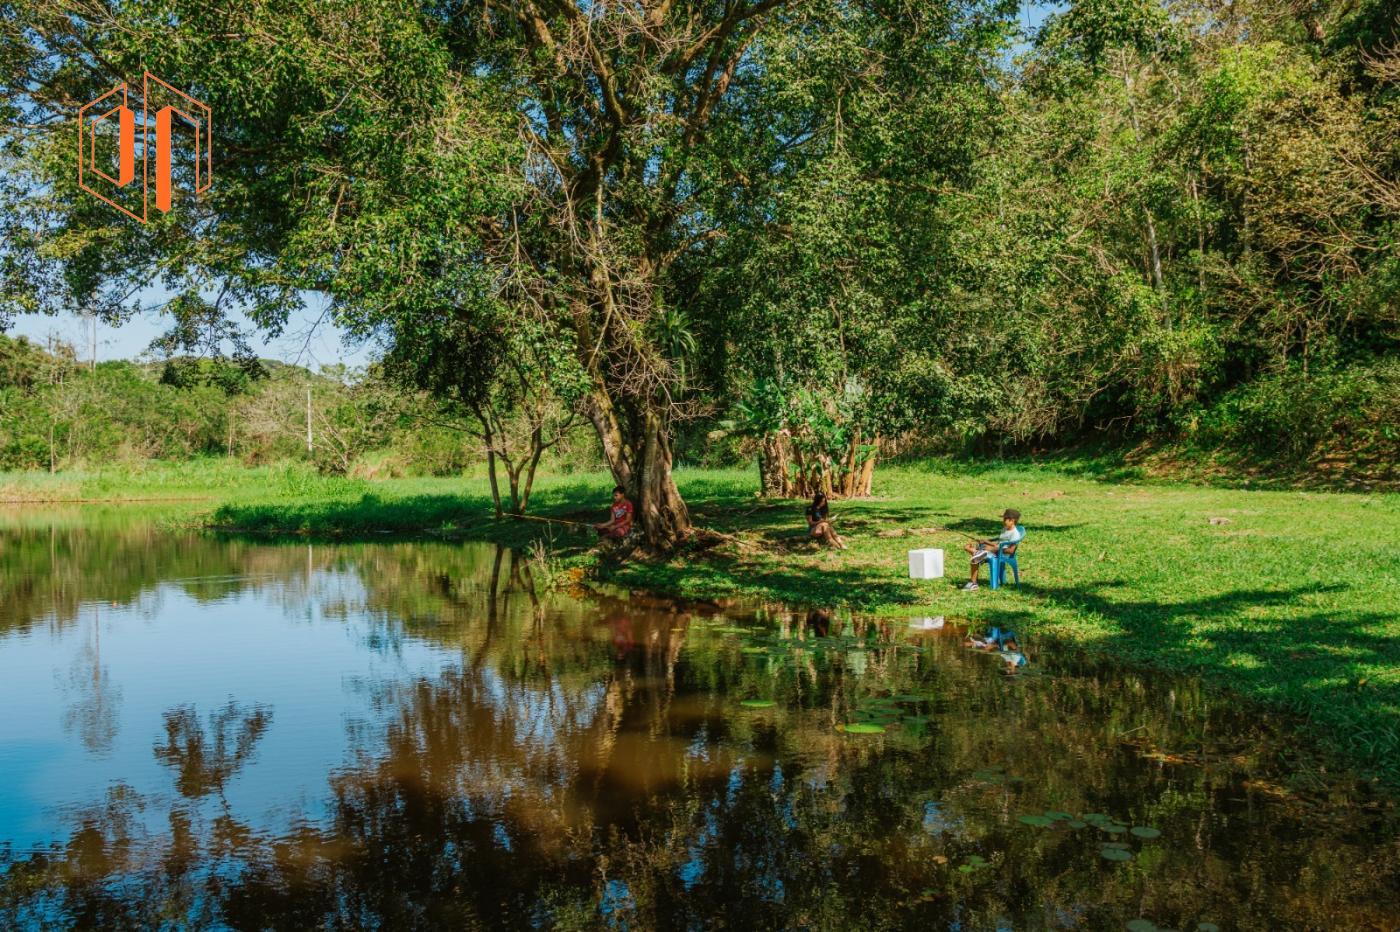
(1289, 598)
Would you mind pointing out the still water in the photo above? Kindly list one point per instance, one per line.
(209, 733)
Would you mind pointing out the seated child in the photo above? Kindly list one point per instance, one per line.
(1008, 539)
(819, 522)
(619, 522)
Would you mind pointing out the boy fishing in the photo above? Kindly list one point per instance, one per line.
(620, 517)
(1006, 542)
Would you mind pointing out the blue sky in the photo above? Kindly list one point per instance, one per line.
(304, 342)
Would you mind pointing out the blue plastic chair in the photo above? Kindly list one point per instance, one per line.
(999, 561)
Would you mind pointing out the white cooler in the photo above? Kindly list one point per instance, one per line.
(926, 564)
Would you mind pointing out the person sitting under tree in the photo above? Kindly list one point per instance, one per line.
(819, 522)
(619, 525)
(983, 549)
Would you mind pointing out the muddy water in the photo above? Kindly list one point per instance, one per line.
(215, 733)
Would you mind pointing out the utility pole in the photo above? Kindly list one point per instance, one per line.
(93, 367)
(308, 421)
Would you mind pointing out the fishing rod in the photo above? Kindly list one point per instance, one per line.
(554, 520)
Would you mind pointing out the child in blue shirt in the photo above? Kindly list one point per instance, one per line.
(1006, 542)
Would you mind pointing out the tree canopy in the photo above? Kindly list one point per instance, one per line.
(826, 224)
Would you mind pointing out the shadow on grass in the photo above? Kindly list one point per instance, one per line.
(991, 529)
(1308, 663)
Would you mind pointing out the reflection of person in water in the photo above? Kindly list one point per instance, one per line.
(622, 640)
(819, 622)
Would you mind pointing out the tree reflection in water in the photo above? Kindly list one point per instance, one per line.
(588, 762)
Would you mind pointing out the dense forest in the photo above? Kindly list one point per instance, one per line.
(817, 233)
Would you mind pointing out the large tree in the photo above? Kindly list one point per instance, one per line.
(489, 165)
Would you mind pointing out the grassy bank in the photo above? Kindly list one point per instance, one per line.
(214, 479)
(1288, 598)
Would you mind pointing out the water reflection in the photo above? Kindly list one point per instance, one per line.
(91, 712)
(417, 735)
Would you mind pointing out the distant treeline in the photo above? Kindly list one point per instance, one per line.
(57, 413)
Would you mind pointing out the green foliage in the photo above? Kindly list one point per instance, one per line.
(1297, 414)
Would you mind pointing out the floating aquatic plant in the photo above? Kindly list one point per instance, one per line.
(863, 728)
(973, 862)
(758, 703)
(1114, 854)
(1145, 831)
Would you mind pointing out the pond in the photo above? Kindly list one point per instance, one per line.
(224, 733)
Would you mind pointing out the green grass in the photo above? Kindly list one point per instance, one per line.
(1295, 602)
(213, 479)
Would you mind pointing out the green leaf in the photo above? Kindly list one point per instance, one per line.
(864, 728)
(1145, 831)
(1114, 854)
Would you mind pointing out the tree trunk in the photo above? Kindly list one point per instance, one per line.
(513, 474)
(489, 440)
(849, 480)
(638, 453)
(772, 467)
(665, 518)
(495, 488)
(867, 475)
(530, 471)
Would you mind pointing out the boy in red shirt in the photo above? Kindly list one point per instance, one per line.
(621, 521)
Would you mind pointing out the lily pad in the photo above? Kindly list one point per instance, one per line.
(865, 728)
(1039, 821)
(758, 703)
(1057, 816)
(1075, 823)
(1094, 817)
(1114, 854)
(1145, 831)
(754, 650)
(1141, 925)
(1113, 828)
